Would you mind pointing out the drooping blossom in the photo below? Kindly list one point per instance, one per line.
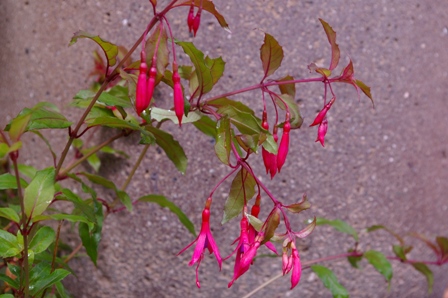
(204, 241)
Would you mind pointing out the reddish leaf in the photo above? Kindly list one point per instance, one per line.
(290, 88)
(335, 53)
(271, 55)
(427, 242)
(162, 54)
(365, 89)
(272, 224)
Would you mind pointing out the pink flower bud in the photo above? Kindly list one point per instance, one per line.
(196, 22)
(178, 96)
(140, 96)
(321, 116)
(151, 84)
(273, 157)
(284, 146)
(190, 19)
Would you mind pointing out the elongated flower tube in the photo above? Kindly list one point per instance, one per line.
(151, 82)
(204, 241)
(321, 116)
(284, 145)
(266, 155)
(296, 266)
(196, 22)
(190, 18)
(273, 160)
(140, 96)
(178, 95)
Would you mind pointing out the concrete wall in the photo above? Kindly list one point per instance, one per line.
(385, 165)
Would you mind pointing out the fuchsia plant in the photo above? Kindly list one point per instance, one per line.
(121, 99)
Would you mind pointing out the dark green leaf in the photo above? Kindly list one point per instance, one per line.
(245, 122)
(110, 150)
(271, 55)
(330, 281)
(39, 193)
(100, 180)
(339, 225)
(110, 50)
(164, 202)
(380, 263)
(249, 142)
(225, 102)
(223, 139)
(125, 199)
(91, 238)
(335, 52)
(216, 67)
(443, 245)
(10, 214)
(13, 283)
(171, 147)
(47, 280)
(110, 100)
(80, 204)
(207, 126)
(423, 269)
(70, 217)
(6, 296)
(204, 76)
(9, 245)
(241, 190)
(42, 239)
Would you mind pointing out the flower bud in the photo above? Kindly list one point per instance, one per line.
(140, 96)
(284, 146)
(322, 131)
(196, 22)
(178, 96)
(190, 19)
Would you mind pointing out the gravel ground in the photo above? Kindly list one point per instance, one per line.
(385, 165)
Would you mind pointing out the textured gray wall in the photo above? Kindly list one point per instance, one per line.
(384, 165)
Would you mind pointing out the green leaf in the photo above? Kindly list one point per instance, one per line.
(161, 114)
(164, 202)
(80, 204)
(47, 280)
(8, 181)
(9, 245)
(241, 190)
(399, 252)
(39, 193)
(110, 150)
(91, 237)
(443, 245)
(163, 54)
(271, 55)
(208, 6)
(53, 154)
(254, 222)
(245, 122)
(381, 227)
(18, 126)
(225, 102)
(216, 67)
(206, 126)
(111, 100)
(95, 162)
(6, 296)
(4, 149)
(70, 217)
(296, 119)
(330, 281)
(125, 199)
(380, 263)
(12, 282)
(223, 140)
(335, 52)
(354, 260)
(42, 239)
(204, 75)
(10, 214)
(365, 89)
(339, 225)
(423, 269)
(172, 148)
(110, 50)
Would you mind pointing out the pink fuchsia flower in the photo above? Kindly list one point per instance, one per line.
(322, 131)
(321, 116)
(252, 232)
(284, 145)
(292, 263)
(242, 247)
(204, 241)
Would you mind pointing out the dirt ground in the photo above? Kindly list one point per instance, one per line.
(383, 165)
